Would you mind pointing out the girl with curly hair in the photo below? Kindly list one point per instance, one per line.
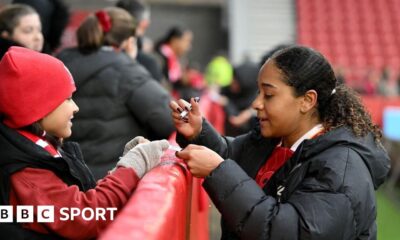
(308, 171)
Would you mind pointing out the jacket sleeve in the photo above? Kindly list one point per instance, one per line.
(226, 147)
(42, 187)
(149, 103)
(251, 214)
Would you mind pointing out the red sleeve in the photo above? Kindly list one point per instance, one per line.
(42, 187)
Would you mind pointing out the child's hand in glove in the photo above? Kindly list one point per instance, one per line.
(143, 157)
(132, 143)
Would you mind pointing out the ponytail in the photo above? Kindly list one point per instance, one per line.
(344, 108)
(109, 27)
(90, 35)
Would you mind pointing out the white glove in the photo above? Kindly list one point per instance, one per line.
(132, 143)
(143, 157)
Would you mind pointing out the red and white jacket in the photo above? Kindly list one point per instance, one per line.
(34, 186)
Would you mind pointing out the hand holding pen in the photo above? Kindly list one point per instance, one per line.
(184, 113)
(187, 117)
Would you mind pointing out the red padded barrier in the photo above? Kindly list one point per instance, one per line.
(168, 203)
(214, 113)
(159, 207)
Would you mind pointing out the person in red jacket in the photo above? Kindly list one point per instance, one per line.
(37, 169)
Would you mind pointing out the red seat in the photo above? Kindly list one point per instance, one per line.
(357, 35)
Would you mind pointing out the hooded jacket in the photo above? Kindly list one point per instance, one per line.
(117, 101)
(324, 191)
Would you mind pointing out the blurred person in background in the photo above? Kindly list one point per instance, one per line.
(307, 171)
(141, 14)
(369, 84)
(240, 94)
(118, 99)
(54, 16)
(171, 49)
(218, 75)
(20, 26)
(219, 72)
(387, 84)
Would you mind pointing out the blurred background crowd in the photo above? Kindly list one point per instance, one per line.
(214, 49)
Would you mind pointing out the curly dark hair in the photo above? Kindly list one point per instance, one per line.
(305, 69)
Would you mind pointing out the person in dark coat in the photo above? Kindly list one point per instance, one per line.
(310, 168)
(118, 99)
(141, 13)
(240, 94)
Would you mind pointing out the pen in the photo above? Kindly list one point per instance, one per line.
(184, 113)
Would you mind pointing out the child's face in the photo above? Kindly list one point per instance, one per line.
(58, 122)
(28, 32)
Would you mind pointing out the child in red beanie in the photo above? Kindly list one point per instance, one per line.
(36, 110)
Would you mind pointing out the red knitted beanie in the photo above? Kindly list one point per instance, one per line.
(32, 85)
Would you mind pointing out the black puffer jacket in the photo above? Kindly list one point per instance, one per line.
(118, 101)
(325, 191)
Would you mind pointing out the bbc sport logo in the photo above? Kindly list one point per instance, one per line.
(45, 213)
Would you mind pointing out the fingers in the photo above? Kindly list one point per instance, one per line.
(179, 106)
(175, 107)
(184, 105)
(157, 145)
(132, 143)
(176, 117)
(164, 144)
(191, 147)
(195, 106)
(187, 152)
(182, 155)
(138, 140)
(143, 140)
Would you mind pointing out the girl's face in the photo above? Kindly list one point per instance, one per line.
(28, 32)
(58, 122)
(278, 110)
(184, 43)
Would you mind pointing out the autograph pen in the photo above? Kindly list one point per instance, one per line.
(184, 113)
